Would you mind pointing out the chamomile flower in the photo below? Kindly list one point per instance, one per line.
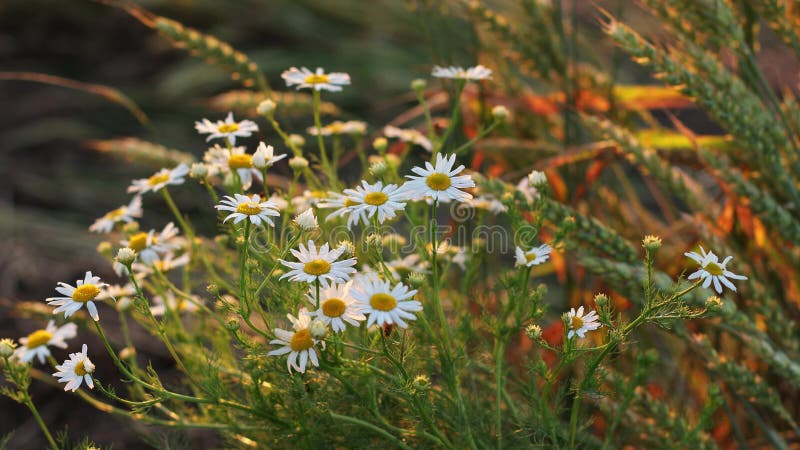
(123, 294)
(163, 264)
(319, 265)
(401, 267)
(77, 369)
(377, 199)
(579, 323)
(35, 344)
(160, 179)
(478, 72)
(225, 161)
(440, 182)
(318, 80)
(712, 270)
(123, 214)
(84, 292)
(337, 128)
(300, 203)
(244, 207)
(487, 202)
(385, 304)
(336, 307)
(534, 256)
(265, 156)
(299, 344)
(172, 303)
(228, 129)
(408, 135)
(345, 206)
(148, 245)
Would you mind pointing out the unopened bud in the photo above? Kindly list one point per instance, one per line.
(379, 168)
(7, 347)
(296, 140)
(500, 113)
(421, 383)
(713, 303)
(537, 178)
(131, 227)
(651, 243)
(416, 279)
(318, 329)
(126, 256)
(349, 248)
(127, 353)
(601, 300)
(213, 289)
(266, 108)
(533, 331)
(298, 163)
(380, 144)
(104, 248)
(419, 85)
(198, 170)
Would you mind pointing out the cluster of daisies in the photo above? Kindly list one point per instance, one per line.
(338, 296)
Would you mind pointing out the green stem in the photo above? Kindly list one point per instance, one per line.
(453, 119)
(26, 399)
(184, 225)
(326, 167)
(372, 427)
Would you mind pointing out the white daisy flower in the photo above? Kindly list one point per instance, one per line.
(308, 199)
(401, 267)
(319, 265)
(224, 161)
(279, 202)
(159, 308)
(84, 292)
(318, 80)
(439, 182)
(337, 127)
(376, 198)
(712, 270)
(245, 207)
(487, 202)
(228, 129)
(35, 344)
(345, 206)
(534, 256)
(160, 179)
(478, 72)
(77, 369)
(386, 304)
(336, 306)
(408, 135)
(298, 343)
(122, 214)
(163, 264)
(148, 245)
(265, 156)
(123, 294)
(579, 324)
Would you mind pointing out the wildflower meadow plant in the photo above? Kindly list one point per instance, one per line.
(403, 297)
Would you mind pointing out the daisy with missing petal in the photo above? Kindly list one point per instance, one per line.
(386, 304)
(299, 344)
(440, 182)
(318, 80)
(534, 256)
(319, 265)
(376, 199)
(123, 214)
(226, 161)
(84, 292)
(77, 369)
(35, 344)
(579, 324)
(712, 270)
(345, 206)
(265, 156)
(160, 179)
(336, 306)
(478, 72)
(228, 129)
(245, 207)
(408, 135)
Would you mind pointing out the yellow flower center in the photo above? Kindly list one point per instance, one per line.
(240, 161)
(316, 79)
(317, 267)
(438, 181)
(158, 179)
(577, 322)
(531, 256)
(336, 127)
(301, 340)
(80, 369)
(319, 194)
(85, 292)
(376, 198)
(38, 338)
(228, 128)
(249, 208)
(713, 269)
(348, 202)
(117, 213)
(138, 241)
(333, 307)
(382, 301)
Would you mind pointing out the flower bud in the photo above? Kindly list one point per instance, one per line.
(601, 300)
(416, 279)
(296, 140)
(266, 108)
(533, 331)
(7, 347)
(213, 289)
(380, 144)
(379, 168)
(713, 303)
(537, 178)
(349, 249)
(127, 353)
(421, 383)
(374, 243)
(131, 227)
(232, 322)
(651, 243)
(298, 163)
(198, 170)
(419, 85)
(306, 221)
(126, 256)
(318, 329)
(500, 113)
(104, 248)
